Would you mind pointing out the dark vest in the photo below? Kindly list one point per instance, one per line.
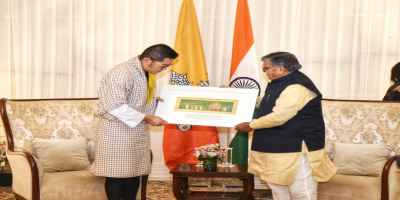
(307, 125)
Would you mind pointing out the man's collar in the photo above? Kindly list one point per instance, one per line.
(287, 77)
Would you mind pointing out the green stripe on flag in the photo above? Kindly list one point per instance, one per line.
(240, 145)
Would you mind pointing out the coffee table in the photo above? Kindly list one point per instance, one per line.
(183, 170)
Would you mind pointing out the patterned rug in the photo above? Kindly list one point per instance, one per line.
(157, 190)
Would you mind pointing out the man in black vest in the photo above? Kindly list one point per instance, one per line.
(289, 132)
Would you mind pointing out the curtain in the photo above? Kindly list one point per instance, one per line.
(61, 49)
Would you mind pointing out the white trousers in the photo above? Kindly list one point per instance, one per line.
(304, 186)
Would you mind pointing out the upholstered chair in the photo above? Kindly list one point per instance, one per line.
(50, 148)
(362, 139)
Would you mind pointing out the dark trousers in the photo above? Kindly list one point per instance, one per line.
(122, 188)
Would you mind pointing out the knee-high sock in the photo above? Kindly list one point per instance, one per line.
(114, 188)
(130, 188)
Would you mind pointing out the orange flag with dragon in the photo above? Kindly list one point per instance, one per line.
(190, 70)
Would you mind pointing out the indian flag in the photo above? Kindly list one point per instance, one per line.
(190, 70)
(245, 72)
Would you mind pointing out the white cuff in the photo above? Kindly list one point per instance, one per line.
(128, 115)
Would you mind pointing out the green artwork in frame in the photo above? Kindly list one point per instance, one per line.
(206, 105)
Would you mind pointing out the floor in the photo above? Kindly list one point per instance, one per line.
(158, 190)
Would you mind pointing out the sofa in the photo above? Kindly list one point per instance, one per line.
(50, 148)
(363, 140)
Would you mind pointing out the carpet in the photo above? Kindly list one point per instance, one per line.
(158, 190)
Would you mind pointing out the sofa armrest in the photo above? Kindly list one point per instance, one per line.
(390, 181)
(25, 172)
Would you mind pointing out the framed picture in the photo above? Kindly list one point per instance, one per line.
(207, 106)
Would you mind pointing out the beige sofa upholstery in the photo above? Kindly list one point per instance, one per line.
(52, 119)
(362, 122)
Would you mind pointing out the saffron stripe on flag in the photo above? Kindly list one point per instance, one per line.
(244, 64)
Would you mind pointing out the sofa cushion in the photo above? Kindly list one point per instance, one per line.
(72, 185)
(361, 159)
(349, 187)
(62, 154)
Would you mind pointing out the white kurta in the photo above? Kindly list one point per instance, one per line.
(122, 149)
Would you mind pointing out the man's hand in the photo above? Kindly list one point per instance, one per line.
(244, 126)
(154, 120)
(159, 99)
(397, 88)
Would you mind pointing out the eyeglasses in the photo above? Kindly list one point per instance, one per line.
(161, 65)
(267, 68)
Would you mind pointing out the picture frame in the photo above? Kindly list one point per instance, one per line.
(206, 106)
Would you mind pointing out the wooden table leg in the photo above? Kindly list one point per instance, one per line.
(177, 187)
(248, 187)
(185, 185)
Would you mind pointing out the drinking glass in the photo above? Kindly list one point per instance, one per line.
(227, 161)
